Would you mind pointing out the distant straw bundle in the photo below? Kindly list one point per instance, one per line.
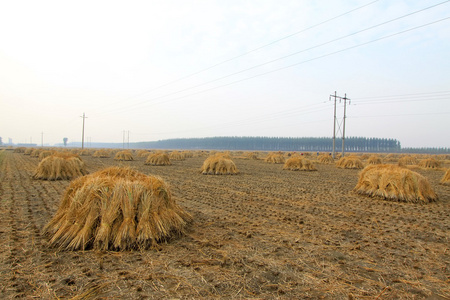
(298, 163)
(115, 209)
(35, 153)
(325, 159)
(188, 154)
(407, 160)
(158, 159)
(275, 158)
(101, 153)
(176, 155)
(374, 160)
(45, 154)
(19, 150)
(124, 156)
(143, 153)
(446, 179)
(350, 162)
(60, 167)
(219, 164)
(394, 183)
(251, 155)
(28, 151)
(429, 163)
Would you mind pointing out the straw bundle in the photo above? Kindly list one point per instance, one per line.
(60, 167)
(124, 155)
(251, 155)
(158, 159)
(188, 154)
(176, 155)
(275, 158)
(429, 163)
(394, 183)
(115, 209)
(143, 153)
(351, 162)
(101, 153)
(325, 159)
(446, 179)
(374, 160)
(219, 164)
(45, 154)
(84, 152)
(35, 153)
(297, 163)
(407, 160)
(19, 150)
(28, 151)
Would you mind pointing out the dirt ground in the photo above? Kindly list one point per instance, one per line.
(266, 233)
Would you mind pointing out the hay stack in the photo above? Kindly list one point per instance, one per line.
(188, 154)
(351, 162)
(115, 209)
(275, 158)
(374, 160)
(45, 154)
(35, 153)
(219, 164)
(394, 183)
(60, 167)
(176, 155)
(28, 151)
(101, 153)
(124, 155)
(429, 163)
(446, 179)
(158, 159)
(84, 152)
(407, 160)
(298, 163)
(19, 150)
(251, 155)
(325, 159)
(143, 153)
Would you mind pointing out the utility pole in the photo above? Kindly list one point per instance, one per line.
(128, 146)
(343, 122)
(42, 139)
(82, 135)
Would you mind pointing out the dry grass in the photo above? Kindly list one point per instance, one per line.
(158, 159)
(251, 155)
(325, 159)
(219, 164)
(19, 150)
(102, 153)
(275, 158)
(394, 183)
(374, 160)
(115, 209)
(143, 153)
(429, 163)
(28, 151)
(446, 178)
(407, 160)
(124, 156)
(298, 163)
(177, 155)
(45, 154)
(60, 167)
(350, 162)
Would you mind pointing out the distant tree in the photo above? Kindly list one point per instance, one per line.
(65, 141)
(1, 143)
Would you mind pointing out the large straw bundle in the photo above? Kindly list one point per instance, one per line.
(429, 163)
(374, 160)
(158, 159)
(117, 209)
(60, 167)
(350, 162)
(394, 183)
(275, 158)
(298, 163)
(325, 159)
(124, 155)
(176, 155)
(101, 153)
(219, 164)
(446, 179)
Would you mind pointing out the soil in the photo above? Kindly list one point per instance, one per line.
(266, 233)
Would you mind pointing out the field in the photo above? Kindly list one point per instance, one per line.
(266, 233)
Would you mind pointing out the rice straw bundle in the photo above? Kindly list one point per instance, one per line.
(84, 152)
(45, 154)
(28, 151)
(60, 167)
(115, 209)
(407, 160)
(124, 156)
(251, 155)
(429, 163)
(35, 153)
(19, 150)
(143, 153)
(275, 158)
(446, 179)
(325, 159)
(219, 164)
(176, 155)
(394, 183)
(188, 154)
(158, 159)
(101, 153)
(298, 163)
(350, 162)
(374, 160)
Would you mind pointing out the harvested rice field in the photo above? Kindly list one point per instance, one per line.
(266, 233)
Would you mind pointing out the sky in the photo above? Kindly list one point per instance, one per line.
(155, 70)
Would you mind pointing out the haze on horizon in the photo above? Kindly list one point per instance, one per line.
(182, 69)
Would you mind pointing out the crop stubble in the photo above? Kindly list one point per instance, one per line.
(265, 233)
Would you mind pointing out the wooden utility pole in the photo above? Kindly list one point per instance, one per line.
(82, 134)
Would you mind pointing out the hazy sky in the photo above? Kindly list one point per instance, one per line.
(185, 68)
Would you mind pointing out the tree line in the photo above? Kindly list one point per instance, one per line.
(322, 144)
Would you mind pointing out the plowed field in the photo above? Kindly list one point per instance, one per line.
(263, 234)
